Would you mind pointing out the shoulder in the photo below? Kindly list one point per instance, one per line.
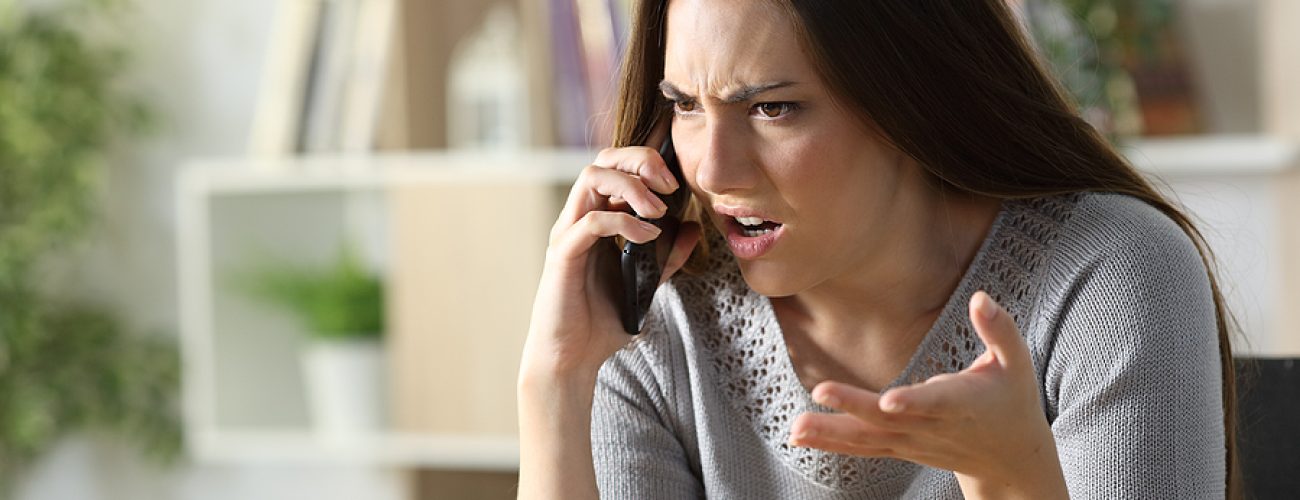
(1126, 289)
(1123, 252)
(1131, 373)
(1120, 252)
(1121, 249)
(1103, 250)
(1122, 227)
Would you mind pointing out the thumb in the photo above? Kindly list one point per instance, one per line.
(687, 236)
(998, 330)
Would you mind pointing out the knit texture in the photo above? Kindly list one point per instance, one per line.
(1110, 295)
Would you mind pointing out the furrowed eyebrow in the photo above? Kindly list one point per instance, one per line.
(743, 94)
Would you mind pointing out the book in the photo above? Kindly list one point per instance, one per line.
(569, 70)
(367, 75)
(331, 65)
(600, 56)
(277, 119)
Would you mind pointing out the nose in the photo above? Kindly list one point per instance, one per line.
(725, 163)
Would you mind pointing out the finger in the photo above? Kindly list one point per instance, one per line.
(688, 235)
(859, 403)
(641, 161)
(938, 396)
(848, 448)
(843, 433)
(998, 330)
(573, 244)
(596, 186)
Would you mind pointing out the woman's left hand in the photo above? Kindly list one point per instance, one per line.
(985, 423)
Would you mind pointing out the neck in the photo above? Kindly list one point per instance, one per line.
(897, 294)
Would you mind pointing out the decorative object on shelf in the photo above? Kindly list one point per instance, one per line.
(66, 366)
(487, 87)
(342, 306)
(1122, 60)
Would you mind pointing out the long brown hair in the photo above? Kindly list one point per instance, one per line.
(977, 110)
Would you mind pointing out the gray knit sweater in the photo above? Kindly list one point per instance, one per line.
(1110, 295)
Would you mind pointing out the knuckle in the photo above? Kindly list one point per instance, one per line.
(588, 172)
(606, 154)
(597, 222)
(588, 220)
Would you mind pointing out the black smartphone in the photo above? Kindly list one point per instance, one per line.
(643, 263)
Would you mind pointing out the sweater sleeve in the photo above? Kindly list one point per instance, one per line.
(1133, 384)
(636, 451)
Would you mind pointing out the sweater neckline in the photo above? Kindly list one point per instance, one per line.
(953, 308)
(748, 354)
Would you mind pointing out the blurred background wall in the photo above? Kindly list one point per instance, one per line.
(199, 62)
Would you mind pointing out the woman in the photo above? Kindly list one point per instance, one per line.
(920, 275)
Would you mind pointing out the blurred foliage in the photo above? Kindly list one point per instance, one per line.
(341, 300)
(66, 366)
(1089, 43)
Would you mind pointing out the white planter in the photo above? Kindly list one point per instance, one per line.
(345, 383)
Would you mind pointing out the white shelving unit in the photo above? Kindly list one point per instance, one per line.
(388, 449)
(1210, 169)
(203, 184)
(1222, 155)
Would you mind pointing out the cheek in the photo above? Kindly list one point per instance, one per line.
(814, 172)
(838, 192)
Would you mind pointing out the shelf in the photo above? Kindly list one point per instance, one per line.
(489, 453)
(227, 357)
(332, 173)
(1215, 155)
(1230, 155)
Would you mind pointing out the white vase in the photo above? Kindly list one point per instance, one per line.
(345, 383)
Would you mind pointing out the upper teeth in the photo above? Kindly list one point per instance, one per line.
(750, 221)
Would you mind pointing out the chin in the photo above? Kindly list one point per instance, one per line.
(771, 280)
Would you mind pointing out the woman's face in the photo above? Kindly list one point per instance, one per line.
(757, 134)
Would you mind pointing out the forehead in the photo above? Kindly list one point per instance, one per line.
(715, 46)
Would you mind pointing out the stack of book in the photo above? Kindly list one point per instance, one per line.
(339, 73)
(323, 78)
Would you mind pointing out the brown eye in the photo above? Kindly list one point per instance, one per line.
(685, 106)
(774, 109)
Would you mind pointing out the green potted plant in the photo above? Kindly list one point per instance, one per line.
(1091, 44)
(342, 307)
(66, 366)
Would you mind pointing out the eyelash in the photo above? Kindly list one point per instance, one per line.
(786, 108)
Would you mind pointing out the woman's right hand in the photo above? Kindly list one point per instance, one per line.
(575, 323)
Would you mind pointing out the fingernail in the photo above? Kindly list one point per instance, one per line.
(987, 307)
(651, 227)
(890, 405)
(659, 203)
(670, 181)
(829, 400)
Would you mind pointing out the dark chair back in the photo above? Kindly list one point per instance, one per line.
(1268, 438)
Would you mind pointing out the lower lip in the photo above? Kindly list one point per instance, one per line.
(751, 247)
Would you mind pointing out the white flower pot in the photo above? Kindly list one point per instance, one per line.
(345, 383)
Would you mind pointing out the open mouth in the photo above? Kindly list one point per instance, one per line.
(752, 227)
